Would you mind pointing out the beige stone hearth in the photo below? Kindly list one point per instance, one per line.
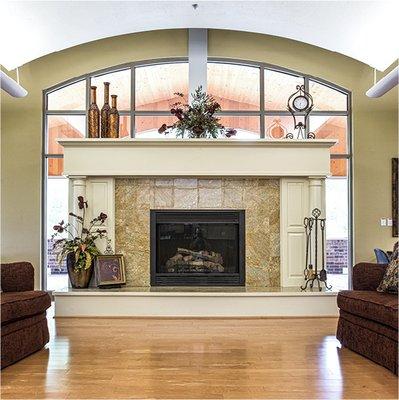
(260, 198)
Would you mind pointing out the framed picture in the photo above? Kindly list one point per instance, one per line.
(110, 270)
(395, 193)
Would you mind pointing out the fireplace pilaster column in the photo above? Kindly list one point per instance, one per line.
(317, 199)
(77, 188)
(317, 195)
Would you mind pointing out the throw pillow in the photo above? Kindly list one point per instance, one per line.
(395, 252)
(389, 282)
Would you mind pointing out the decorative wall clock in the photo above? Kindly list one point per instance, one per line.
(300, 104)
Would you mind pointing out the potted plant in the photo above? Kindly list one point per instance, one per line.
(80, 247)
(197, 119)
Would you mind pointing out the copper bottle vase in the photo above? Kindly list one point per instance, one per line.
(113, 118)
(105, 112)
(93, 129)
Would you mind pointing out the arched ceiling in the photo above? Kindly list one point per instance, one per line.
(363, 30)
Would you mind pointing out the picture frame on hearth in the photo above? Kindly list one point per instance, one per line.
(110, 270)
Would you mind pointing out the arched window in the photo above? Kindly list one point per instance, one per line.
(253, 97)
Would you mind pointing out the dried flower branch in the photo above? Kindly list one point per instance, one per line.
(82, 245)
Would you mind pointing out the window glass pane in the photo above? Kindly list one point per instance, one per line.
(235, 87)
(57, 210)
(119, 85)
(327, 99)
(276, 127)
(278, 88)
(63, 126)
(330, 127)
(156, 84)
(55, 167)
(147, 127)
(71, 97)
(337, 237)
(339, 167)
(246, 127)
(124, 126)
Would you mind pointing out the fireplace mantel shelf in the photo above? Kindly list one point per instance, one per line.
(196, 157)
(167, 142)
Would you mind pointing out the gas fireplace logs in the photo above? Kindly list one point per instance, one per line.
(186, 261)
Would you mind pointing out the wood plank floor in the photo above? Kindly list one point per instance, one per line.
(196, 359)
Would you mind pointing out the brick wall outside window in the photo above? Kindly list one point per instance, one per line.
(52, 263)
(336, 255)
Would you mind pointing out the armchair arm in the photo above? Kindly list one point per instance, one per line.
(17, 277)
(367, 276)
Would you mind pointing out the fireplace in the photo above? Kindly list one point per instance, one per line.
(197, 248)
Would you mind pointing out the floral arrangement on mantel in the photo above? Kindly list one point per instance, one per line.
(80, 248)
(197, 119)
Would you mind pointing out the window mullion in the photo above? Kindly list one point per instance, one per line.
(132, 100)
(262, 101)
(88, 84)
(53, 155)
(306, 84)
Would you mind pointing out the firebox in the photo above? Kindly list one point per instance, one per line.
(197, 247)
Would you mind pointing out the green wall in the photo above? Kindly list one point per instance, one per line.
(375, 125)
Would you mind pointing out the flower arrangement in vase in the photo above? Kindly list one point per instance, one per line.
(198, 119)
(79, 248)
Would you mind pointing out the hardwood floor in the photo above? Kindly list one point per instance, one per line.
(196, 359)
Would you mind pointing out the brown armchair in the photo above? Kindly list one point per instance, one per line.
(23, 313)
(368, 320)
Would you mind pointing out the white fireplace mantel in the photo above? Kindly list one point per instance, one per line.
(301, 165)
(196, 157)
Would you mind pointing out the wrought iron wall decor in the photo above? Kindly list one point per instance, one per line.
(313, 225)
(300, 104)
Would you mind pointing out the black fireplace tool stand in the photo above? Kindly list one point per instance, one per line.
(313, 225)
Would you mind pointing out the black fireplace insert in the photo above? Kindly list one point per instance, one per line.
(197, 247)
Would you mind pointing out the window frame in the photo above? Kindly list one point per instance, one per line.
(261, 113)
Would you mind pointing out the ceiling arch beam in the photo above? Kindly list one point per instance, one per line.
(363, 30)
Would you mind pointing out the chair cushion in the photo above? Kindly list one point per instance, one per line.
(379, 307)
(17, 305)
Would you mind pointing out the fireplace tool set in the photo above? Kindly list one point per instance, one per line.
(313, 225)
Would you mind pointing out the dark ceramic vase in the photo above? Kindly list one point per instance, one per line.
(80, 279)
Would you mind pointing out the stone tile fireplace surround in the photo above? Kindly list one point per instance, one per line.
(260, 198)
(276, 182)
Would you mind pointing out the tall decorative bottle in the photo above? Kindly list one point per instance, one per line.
(113, 118)
(93, 115)
(105, 112)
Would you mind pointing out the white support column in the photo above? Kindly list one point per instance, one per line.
(317, 199)
(316, 195)
(77, 188)
(197, 59)
(100, 193)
